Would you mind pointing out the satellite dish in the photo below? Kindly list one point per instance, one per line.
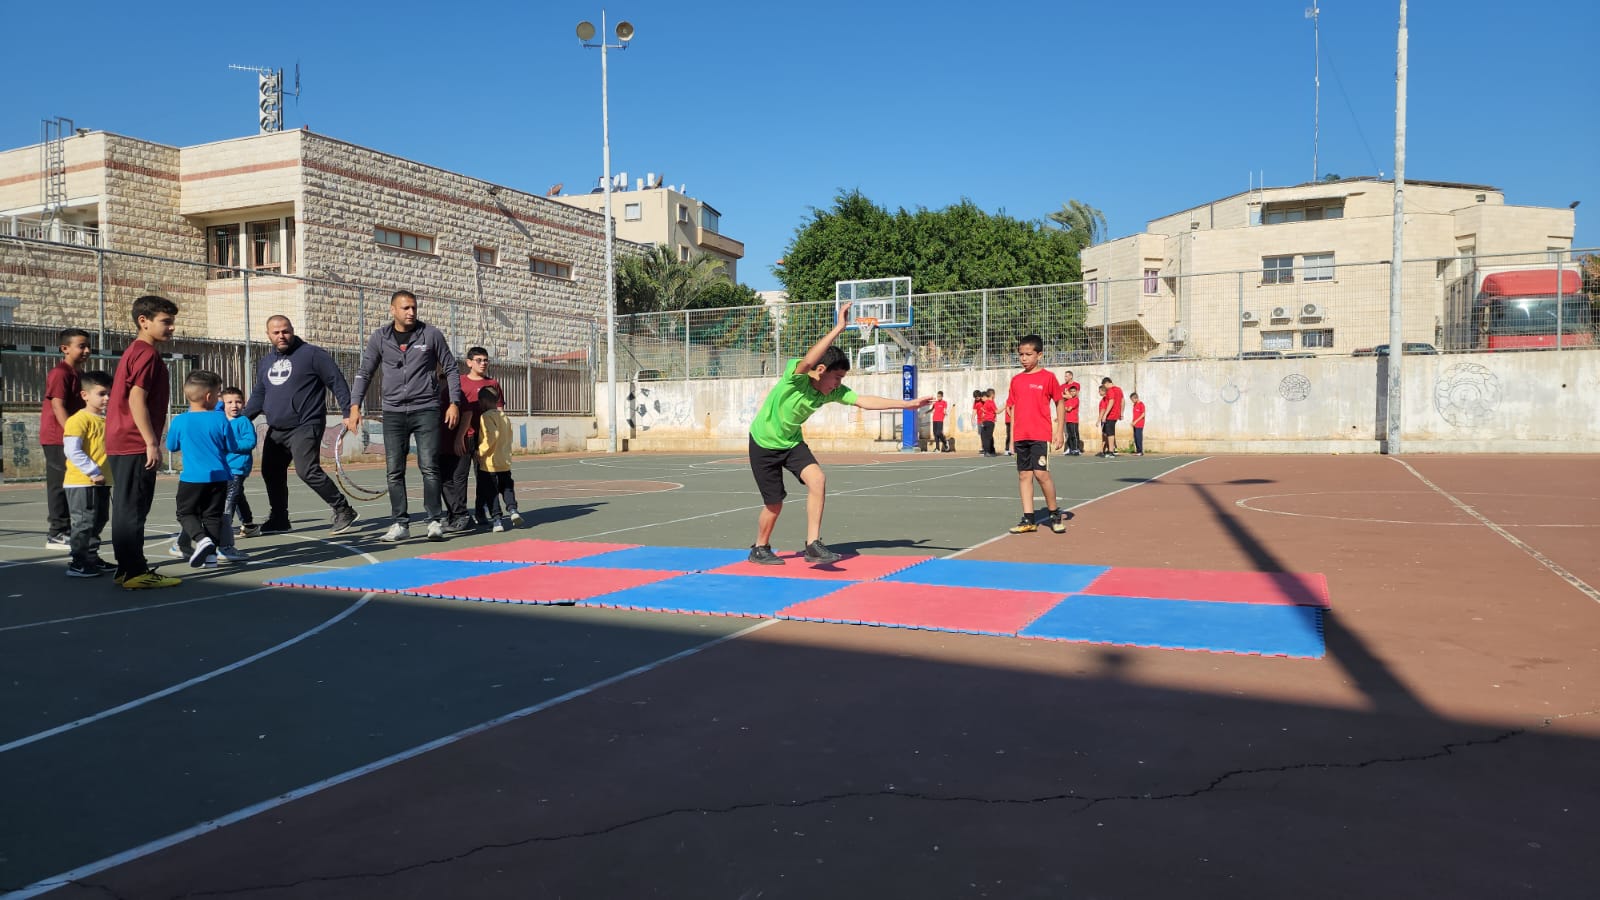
(585, 31)
(624, 31)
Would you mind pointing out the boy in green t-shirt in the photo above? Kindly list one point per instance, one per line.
(777, 444)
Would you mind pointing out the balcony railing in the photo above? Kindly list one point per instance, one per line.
(61, 233)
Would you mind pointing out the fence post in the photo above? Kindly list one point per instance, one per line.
(100, 260)
(777, 344)
(1105, 326)
(244, 342)
(1560, 313)
(361, 318)
(983, 332)
(1240, 324)
(527, 358)
(454, 335)
(686, 345)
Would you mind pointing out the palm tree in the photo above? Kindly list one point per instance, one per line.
(1081, 218)
(660, 282)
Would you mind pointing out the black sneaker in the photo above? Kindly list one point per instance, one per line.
(460, 525)
(818, 552)
(343, 518)
(276, 526)
(202, 549)
(102, 565)
(1024, 526)
(76, 571)
(761, 554)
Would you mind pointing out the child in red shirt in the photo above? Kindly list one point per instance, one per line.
(1138, 424)
(1008, 424)
(62, 398)
(1069, 415)
(135, 418)
(1034, 394)
(939, 407)
(1100, 422)
(983, 406)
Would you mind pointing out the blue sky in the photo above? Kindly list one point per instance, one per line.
(765, 111)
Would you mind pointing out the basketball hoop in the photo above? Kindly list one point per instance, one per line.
(866, 326)
(346, 483)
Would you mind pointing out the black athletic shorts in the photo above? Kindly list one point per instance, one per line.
(1109, 429)
(768, 465)
(1032, 456)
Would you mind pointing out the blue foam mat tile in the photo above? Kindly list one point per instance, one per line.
(395, 575)
(665, 559)
(1184, 625)
(718, 595)
(1056, 578)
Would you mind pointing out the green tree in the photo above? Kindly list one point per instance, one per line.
(958, 248)
(660, 282)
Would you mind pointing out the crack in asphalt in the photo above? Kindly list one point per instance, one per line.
(1088, 803)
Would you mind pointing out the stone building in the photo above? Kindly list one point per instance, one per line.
(1304, 268)
(654, 213)
(296, 223)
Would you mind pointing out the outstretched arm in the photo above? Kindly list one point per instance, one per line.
(814, 355)
(868, 401)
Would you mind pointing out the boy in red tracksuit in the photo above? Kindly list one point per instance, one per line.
(983, 408)
(1069, 415)
(1138, 424)
(1113, 414)
(939, 408)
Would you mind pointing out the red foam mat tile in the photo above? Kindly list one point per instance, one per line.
(850, 568)
(965, 609)
(542, 584)
(1276, 588)
(529, 550)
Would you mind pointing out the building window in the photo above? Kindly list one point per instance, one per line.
(486, 256)
(1277, 270)
(683, 254)
(632, 212)
(1318, 338)
(404, 240)
(1277, 340)
(683, 213)
(222, 249)
(709, 219)
(8, 310)
(552, 269)
(266, 246)
(1152, 281)
(1318, 267)
(1302, 212)
(1091, 293)
(288, 245)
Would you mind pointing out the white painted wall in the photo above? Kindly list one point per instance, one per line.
(1457, 403)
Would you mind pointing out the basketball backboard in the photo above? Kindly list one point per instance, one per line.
(886, 299)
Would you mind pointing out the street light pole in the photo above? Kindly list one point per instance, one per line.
(624, 34)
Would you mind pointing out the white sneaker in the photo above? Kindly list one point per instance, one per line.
(397, 532)
(499, 524)
(436, 531)
(210, 563)
(205, 550)
(232, 555)
(58, 542)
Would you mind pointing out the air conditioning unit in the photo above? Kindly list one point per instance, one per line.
(1248, 317)
(1177, 335)
(1312, 311)
(1280, 312)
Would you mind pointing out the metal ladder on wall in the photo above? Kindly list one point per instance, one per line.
(53, 168)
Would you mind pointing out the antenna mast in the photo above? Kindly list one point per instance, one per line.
(1314, 13)
(269, 89)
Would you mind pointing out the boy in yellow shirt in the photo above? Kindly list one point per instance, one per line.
(88, 491)
(495, 486)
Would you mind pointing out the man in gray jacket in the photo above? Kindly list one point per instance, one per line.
(413, 355)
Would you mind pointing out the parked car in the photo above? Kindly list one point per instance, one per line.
(1413, 348)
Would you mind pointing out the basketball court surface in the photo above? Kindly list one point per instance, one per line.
(1231, 677)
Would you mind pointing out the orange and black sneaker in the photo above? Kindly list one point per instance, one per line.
(1024, 526)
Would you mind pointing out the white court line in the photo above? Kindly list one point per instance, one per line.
(741, 509)
(1086, 503)
(1538, 557)
(131, 609)
(127, 856)
(198, 679)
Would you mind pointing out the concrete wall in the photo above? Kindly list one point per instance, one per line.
(1455, 403)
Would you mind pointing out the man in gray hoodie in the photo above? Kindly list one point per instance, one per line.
(413, 355)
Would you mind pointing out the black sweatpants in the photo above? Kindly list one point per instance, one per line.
(55, 497)
(453, 473)
(1074, 440)
(200, 506)
(302, 445)
(986, 432)
(133, 487)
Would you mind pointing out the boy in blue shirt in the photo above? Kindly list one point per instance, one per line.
(239, 464)
(205, 439)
